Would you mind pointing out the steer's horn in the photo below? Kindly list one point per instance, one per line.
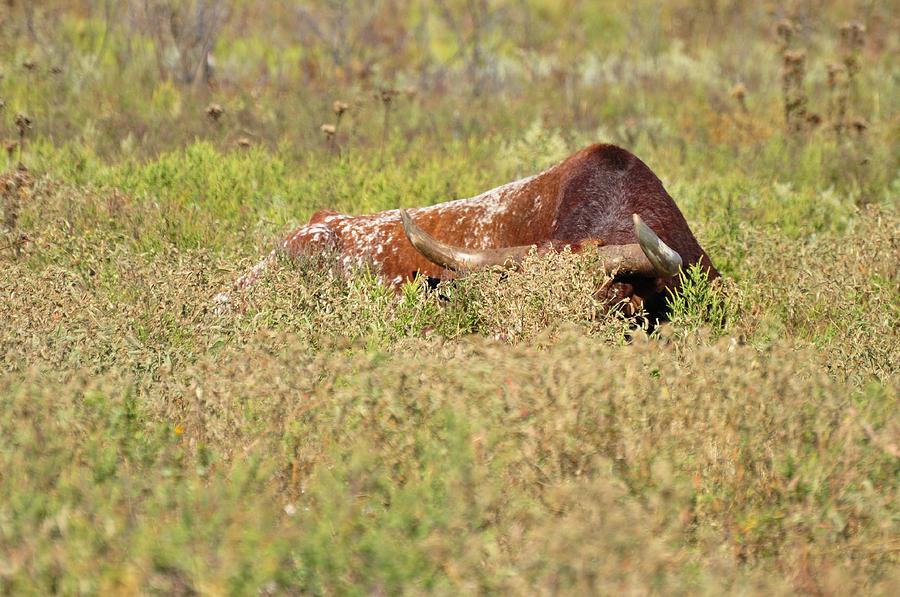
(651, 257)
(666, 260)
(459, 258)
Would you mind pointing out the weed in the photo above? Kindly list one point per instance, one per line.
(699, 303)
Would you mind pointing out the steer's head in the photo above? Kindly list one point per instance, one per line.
(649, 259)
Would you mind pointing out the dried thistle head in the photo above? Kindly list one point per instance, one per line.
(852, 41)
(738, 92)
(795, 100)
(23, 123)
(329, 130)
(794, 57)
(794, 70)
(214, 112)
(853, 35)
(387, 94)
(834, 73)
(859, 125)
(785, 31)
(339, 107)
(15, 187)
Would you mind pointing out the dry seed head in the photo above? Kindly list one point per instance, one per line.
(859, 125)
(410, 92)
(785, 30)
(852, 41)
(387, 95)
(793, 73)
(834, 71)
(243, 142)
(214, 112)
(56, 70)
(339, 107)
(23, 123)
(29, 64)
(813, 119)
(794, 57)
(11, 148)
(738, 92)
(329, 130)
(853, 34)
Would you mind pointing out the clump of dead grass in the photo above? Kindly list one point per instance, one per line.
(549, 290)
(314, 297)
(838, 291)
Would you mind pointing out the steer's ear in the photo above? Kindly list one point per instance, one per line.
(666, 261)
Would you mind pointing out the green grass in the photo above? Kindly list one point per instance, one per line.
(502, 434)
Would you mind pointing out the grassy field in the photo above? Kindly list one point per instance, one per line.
(500, 435)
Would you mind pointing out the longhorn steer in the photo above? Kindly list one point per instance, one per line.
(603, 197)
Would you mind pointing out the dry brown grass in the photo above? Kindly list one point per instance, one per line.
(838, 291)
(494, 435)
(471, 466)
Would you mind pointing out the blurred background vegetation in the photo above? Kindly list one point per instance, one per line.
(499, 434)
(689, 84)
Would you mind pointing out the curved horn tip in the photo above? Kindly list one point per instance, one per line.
(408, 227)
(666, 260)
